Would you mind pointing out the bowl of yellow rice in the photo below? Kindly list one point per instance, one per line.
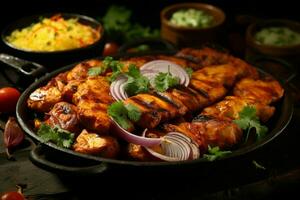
(54, 39)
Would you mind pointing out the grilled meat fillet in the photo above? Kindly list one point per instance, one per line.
(95, 88)
(267, 91)
(208, 56)
(230, 107)
(94, 116)
(92, 143)
(209, 131)
(80, 71)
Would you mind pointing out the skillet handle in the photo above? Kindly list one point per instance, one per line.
(155, 44)
(24, 67)
(37, 156)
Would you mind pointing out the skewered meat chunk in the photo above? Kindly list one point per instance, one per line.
(64, 115)
(267, 91)
(94, 116)
(209, 131)
(230, 107)
(92, 143)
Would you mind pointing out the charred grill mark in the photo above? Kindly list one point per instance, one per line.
(201, 91)
(142, 103)
(165, 99)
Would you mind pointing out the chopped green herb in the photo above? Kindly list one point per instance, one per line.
(164, 81)
(118, 27)
(134, 113)
(189, 71)
(248, 120)
(60, 137)
(215, 153)
(108, 63)
(95, 71)
(136, 82)
(123, 114)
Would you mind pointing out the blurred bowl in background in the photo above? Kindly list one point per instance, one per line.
(277, 38)
(191, 36)
(55, 58)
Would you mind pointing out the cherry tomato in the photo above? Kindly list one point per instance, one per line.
(110, 48)
(8, 99)
(12, 196)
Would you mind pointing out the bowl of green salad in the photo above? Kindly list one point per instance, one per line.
(274, 37)
(191, 24)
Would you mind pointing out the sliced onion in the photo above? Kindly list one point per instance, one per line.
(135, 139)
(167, 66)
(117, 89)
(176, 147)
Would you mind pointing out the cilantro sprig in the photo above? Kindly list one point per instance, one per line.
(215, 153)
(189, 71)
(164, 81)
(60, 137)
(122, 114)
(248, 120)
(136, 82)
(108, 63)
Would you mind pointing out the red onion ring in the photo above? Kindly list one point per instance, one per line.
(117, 88)
(135, 139)
(167, 66)
(176, 147)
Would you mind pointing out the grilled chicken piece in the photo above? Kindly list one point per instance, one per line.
(44, 98)
(210, 92)
(80, 71)
(225, 74)
(92, 143)
(64, 115)
(209, 131)
(208, 56)
(266, 91)
(230, 107)
(95, 88)
(155, 108)
(94, 116)
(204, 57)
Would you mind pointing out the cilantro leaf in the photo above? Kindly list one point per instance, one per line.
(134, 113)
(136, 82)
(248, 120)
(123, 114)
(164, 81)
(189, 71)
(215, 153)
(94, 71)
(60, 137)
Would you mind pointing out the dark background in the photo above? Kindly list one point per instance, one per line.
(146, 11)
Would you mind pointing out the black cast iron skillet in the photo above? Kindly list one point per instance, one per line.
(68, 161)
(54, 59)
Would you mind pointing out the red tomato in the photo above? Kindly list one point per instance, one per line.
(12, 196)
(110, 48)
(8, 99)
